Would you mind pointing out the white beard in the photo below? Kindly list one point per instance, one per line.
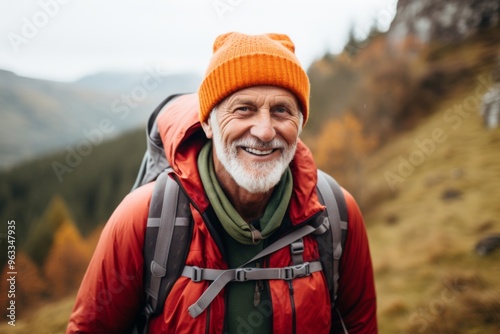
(256, 177)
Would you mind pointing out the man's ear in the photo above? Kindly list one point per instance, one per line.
(207, 128)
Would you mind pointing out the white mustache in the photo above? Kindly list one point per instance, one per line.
(257, 144)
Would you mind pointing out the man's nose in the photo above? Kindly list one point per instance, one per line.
(263, 127)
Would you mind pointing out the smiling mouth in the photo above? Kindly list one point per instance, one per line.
(258, 152)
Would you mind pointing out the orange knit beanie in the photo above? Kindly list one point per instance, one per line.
(241, 61)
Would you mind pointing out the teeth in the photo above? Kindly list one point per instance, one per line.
(258, 152)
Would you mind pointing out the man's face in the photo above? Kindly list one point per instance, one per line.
(255, 132)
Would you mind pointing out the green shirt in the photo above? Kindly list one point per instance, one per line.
(247, 303)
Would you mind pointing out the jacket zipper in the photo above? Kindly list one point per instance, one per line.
(292, 302)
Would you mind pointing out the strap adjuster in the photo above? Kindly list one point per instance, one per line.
(241, 274)
(197, 274)
(300, 270)
(297, 247)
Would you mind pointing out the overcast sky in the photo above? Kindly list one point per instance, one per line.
(67, 39)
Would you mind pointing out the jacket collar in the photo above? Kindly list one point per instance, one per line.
(183, 139)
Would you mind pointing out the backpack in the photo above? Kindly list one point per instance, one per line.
(169, 229)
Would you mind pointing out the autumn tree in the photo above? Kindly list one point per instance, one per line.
(340, 149)
(67, 260)
(41, 236)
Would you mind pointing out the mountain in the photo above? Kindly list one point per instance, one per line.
(153, 81)
(40, 117)
(399, 125)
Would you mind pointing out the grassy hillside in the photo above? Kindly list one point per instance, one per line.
(423, 231)
(51, 319)
(390, 89)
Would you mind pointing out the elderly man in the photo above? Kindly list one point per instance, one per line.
(235, 153)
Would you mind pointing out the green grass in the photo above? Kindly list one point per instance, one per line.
(421, 241)
(50, 319)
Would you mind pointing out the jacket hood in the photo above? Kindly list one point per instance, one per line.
(183, 138)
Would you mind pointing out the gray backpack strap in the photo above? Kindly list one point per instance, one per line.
(249, 274)
(242, 274)
(330, 202)
(168, 231)
(331, 244)
(166, 244)
(297, 251)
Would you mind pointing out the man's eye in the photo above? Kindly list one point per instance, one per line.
(280, 110)
(245, 109)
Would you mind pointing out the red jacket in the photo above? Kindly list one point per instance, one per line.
(111, 293)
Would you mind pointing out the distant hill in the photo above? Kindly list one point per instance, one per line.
(155, 82)
(40, 117)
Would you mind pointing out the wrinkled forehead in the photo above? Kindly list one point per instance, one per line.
(258, 95)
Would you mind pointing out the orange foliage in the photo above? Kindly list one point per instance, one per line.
(67, 260)
(61, 269)
(341, 147)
